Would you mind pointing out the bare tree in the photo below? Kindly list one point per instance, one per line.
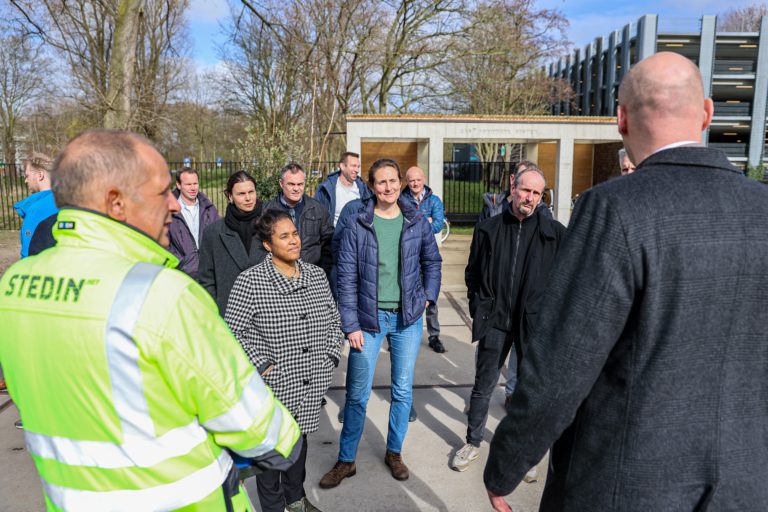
(742, 19)
(499, 57)
(23, 79)
(100, 41)
(415, 38)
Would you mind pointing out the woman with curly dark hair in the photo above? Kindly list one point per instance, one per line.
(284, 316)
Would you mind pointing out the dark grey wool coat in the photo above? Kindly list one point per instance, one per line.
(652, 348)
(293, 325)
(222, 258)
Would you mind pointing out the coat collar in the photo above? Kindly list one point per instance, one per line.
(77, 227)
(546, 226)
(282, 284)
(235, 247)
(409, 210)
(693, 156)
(29, 202)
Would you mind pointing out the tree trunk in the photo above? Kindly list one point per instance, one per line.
(9, 150)
(122, 64)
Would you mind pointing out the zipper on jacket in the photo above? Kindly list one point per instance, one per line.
(514, 257)
(400, 269)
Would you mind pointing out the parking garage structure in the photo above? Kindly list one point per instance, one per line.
(733, 65)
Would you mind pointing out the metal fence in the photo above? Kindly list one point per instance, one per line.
(12, 190)
(212, 175)
(464, 184)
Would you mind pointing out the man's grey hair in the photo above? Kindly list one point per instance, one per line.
(105, 157)
(530, 168)
(292, 168)
(622, 155)
(527, 164)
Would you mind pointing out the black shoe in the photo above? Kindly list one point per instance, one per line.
(323, 402)
(436, 345)
(412, 416)
(18, 425)
(340, 417)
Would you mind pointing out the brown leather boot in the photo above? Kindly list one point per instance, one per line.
(339, 472)
(396, 465)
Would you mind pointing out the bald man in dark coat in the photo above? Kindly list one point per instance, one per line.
(651, 352)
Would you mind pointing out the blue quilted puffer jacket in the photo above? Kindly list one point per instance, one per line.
(358, 261)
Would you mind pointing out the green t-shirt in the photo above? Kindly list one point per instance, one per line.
(388, 237)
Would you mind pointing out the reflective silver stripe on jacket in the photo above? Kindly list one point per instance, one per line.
(123, 353)
(190, 489)
(240, 417)
(140, 446)
(103, 454)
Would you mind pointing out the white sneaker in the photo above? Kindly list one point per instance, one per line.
(531, 476)
(464, 457)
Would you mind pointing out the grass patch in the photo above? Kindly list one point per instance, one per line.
(462, 230)
(464, 196)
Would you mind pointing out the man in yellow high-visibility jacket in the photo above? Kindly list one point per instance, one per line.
(129, 383)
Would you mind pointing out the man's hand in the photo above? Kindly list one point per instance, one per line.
(356, 340)
(498, 503)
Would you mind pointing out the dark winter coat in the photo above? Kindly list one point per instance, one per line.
(480, 273)
(326, 192)
(430, 205)
(292, 325)
(182, 242)
(222, 258)
(315, 231)
(358, 268)
(652, 346)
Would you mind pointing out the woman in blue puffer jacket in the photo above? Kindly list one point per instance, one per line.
(388, 270)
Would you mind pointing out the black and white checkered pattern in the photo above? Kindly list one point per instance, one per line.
(293, 325)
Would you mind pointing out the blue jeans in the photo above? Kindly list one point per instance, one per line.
(361, 365)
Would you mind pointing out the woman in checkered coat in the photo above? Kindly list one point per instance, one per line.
(282, 312)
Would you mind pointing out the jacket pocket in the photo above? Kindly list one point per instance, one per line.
(276, 380)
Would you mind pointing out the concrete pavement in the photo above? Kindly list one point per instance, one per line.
(442, 386)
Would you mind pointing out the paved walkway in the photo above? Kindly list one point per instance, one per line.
(442, 386)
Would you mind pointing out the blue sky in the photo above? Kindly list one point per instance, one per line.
(594, 18)
(205, 34)
(588, 19)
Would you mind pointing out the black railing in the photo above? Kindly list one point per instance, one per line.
(12, 189)
(464, 184)
(212, 176)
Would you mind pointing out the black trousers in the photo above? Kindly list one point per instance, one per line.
(492, 352)
(280, 488)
